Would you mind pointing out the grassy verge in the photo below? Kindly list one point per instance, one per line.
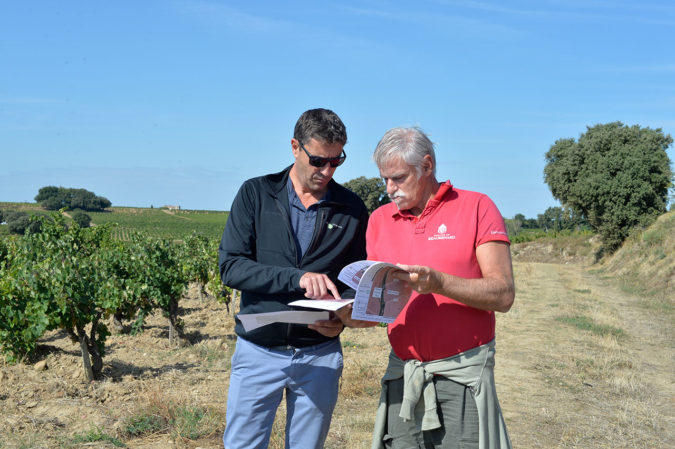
(645, 264)
(94, 435)
(587, 324)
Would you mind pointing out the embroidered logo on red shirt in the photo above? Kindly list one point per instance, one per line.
(442, 234)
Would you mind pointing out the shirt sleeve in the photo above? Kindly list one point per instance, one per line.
(491, 226)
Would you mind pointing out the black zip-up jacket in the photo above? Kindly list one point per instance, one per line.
(258, 256)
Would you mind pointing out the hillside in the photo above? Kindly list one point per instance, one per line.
(646, 261)
(174, 224)
(579, 248)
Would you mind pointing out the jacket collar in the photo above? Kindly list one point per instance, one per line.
(277, 181)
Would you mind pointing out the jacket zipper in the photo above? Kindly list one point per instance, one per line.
(287, 221)
(295, 253)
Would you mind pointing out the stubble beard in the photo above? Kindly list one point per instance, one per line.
(320, 183)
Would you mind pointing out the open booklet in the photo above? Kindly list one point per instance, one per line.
(379, 296)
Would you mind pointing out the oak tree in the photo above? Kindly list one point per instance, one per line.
(616, 176)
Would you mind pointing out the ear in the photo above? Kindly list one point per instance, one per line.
(295, 146)
(427, 165)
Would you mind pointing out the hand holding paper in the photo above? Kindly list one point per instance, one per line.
(329, 328)
(419, 278)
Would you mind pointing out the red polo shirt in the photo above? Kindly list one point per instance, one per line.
(445, 237)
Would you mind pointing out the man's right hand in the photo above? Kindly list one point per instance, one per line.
(345, 315)
(318, 285)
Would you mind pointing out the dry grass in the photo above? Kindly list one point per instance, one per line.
(583, 388)
(576, 248)
(645, 264)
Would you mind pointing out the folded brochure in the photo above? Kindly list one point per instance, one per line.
(379, 296)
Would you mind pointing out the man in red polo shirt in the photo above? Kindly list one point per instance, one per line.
(453, 250)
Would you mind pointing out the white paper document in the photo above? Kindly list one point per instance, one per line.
(253, 321)
(323, 304)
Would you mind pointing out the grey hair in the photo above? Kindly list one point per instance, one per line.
(410, 144)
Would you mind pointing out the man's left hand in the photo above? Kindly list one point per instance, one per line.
(329, 328)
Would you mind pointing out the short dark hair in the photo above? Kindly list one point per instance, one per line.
(321, 124)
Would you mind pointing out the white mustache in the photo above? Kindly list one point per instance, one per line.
(396, 195)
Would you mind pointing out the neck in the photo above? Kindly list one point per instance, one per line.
(429, 192)
(306, 195)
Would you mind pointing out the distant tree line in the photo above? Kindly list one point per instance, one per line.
(553, 219)
(551, 222)
(21, 222)
(57, 198)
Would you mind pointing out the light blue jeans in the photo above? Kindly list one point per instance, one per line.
(258, 378)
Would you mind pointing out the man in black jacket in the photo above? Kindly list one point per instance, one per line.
(287, 237)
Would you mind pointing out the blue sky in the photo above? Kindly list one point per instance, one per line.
(178, 102)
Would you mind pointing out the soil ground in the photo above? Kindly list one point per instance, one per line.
(580, 364)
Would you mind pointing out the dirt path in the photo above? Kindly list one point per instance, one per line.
(563, 386)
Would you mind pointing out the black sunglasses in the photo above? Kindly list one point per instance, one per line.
(318, 161)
